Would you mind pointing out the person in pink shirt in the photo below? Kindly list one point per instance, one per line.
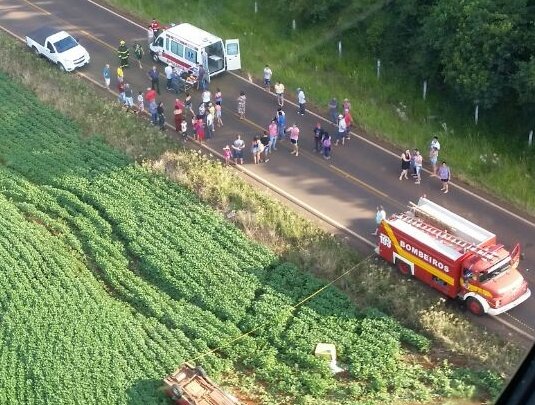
(227, 154)
(273, 131)
(294, 138)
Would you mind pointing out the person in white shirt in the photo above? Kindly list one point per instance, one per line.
(279, 91)
(169, 76)
(418, 161)
(434, 143)
(342, 129)
(379, 216)
(206, 96)
(267, 78)
(301, 100)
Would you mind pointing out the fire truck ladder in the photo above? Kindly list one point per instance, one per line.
(455, 240)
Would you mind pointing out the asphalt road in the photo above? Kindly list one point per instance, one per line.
(342, 192)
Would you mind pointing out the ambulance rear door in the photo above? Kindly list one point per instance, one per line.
(232, 54)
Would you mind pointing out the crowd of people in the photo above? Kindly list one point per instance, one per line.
(200, 121)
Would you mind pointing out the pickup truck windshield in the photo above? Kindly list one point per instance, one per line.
(483, 277)
(65, 44)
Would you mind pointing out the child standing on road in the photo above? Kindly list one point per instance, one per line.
(227, 154)
(184, 130)
(444, 173)
(326, 142)
(140, 103)
(218, 97)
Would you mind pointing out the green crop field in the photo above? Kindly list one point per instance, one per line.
(112, 276)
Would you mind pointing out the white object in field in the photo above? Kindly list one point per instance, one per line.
(328, 350)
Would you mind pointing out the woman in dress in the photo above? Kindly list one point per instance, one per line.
(241, 105)
(405, 164)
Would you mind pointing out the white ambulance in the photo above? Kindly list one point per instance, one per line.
(186, 46)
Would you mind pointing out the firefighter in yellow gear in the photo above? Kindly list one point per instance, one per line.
(123, 53)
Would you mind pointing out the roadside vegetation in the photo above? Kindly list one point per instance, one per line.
(493, 155)
(483, 360)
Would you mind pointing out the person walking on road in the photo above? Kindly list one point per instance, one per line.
(218, 113)
(201, 77)
(326, 145)
(405, 164)
(434, 148)
(106, 74)
(237, 149)
(138, 53)
(169, 76)
(128, 97)
(349, 122)
(150, 95)
(418, 161)
(279, 91)
(301, 100)
(281, 123)
(318, 135)
(155, 27)
(123, 53)
(199, 129)
(120, 74)
(346, 105)
(380, 215)
(241, 105)
(267, 78)
(227, 154)
(333, 110)
(266, 143)
(294, 138)
(161, 116)
(179, 117)
(140, 103)
(218, 96)
(154, 77)
(153, 111)
(273, 134)
(341, 133)
(120, 90)
(188, 104)
(444, 174)
(433, 159)
(257, 149)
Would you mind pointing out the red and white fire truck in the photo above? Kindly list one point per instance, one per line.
(455, 256)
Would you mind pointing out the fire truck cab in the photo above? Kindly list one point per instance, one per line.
(454, 256)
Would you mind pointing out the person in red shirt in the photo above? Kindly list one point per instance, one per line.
(349, 122)
(199, 130)
(154, 26)
(150, 95)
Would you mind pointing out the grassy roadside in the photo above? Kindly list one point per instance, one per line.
(266, 220)
(492, 155)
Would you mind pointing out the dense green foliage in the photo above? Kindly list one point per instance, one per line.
(113, 276)
(482, 49)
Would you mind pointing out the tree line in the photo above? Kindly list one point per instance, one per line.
(483, 50)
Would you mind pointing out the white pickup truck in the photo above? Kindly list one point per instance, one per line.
(59, 47)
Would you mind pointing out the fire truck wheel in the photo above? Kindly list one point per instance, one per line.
(403, 268)
(474, 306)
